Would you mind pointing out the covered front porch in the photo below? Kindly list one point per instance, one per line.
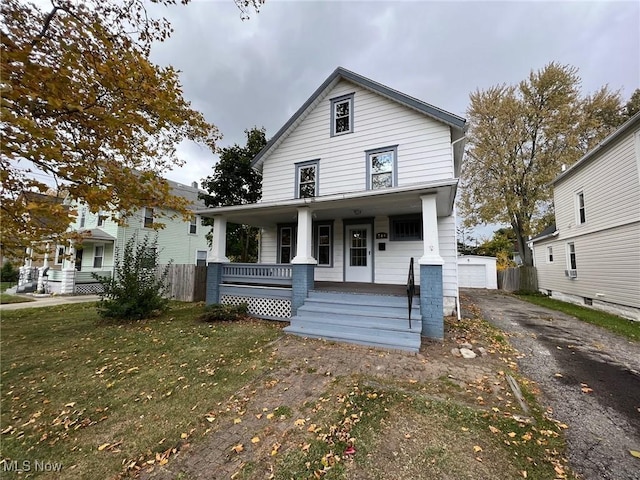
(310, 279)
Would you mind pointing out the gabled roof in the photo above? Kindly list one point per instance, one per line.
(550, 231)
(453, 121)
(633, 122)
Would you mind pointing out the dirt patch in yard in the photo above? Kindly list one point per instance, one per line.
(328, 410)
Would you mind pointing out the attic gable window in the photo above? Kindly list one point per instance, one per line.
(342, 115)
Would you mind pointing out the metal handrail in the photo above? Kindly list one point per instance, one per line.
(411, 289)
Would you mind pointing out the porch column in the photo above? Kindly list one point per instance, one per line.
(305, 234)
(218, 241)
(68, 281)
(42, 269)
(303, 264)
(215, 259)
(431, 292)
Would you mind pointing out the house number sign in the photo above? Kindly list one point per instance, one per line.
(381, 235)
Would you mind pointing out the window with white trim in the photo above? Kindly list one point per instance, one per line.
(382, 167)
(201, 258)
(549, 254)
(59, 255)
(307, 179)
(101, 220)
(193, 225)
(581, 216)
(83, 217)
(148, 217)
(571, 256)
(98, 256)
(342, 115)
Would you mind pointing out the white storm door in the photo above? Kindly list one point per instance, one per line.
(358, 253)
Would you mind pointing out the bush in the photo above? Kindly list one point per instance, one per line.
(8, 273)
(137, 289)
(223, 313)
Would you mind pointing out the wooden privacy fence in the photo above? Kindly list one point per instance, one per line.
(187, 283)
(522, 278)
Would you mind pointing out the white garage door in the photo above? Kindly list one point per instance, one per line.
(472, 276)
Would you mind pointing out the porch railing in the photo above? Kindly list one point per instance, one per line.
(411, 289)
(257, 274)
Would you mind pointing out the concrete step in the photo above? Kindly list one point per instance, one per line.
(373, 338)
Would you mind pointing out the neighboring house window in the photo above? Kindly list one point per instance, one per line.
(101, 220)
(571, 256)
(307, 179)
(406, 227)
(323, 244)
(98, 255)
(549, 254)
(286, 243)
(342, 115)
(382, 169)
(83, 217)
(193, 225)
(201, 258)
(148, 217)
(59, 255)
(581, 214)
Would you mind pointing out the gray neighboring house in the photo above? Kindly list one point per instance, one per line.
(591, 256)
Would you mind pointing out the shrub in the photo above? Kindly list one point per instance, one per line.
(8, 273)
(137, 289)
(223, 313)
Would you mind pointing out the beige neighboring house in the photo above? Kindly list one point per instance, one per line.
(591, 256)
(70, 267)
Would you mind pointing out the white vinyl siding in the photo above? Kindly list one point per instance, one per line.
(424, 146)
(607, 245)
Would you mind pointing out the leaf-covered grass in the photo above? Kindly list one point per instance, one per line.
(6, 298)
(101, 398)
(627, 328)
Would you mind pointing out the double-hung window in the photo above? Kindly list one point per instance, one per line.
(549, 254)
(342, 115)
(307, 179)
(148, 217)
(382, 170)
(286, 243)
(572, 265)
(83, 217)
(59, 255)
(98, 256)
(193, 225)
(581, 216)
(323, 244)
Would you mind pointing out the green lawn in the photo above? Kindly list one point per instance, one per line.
(6, 298)
(5, 285)
(613, 323)
(100, 398)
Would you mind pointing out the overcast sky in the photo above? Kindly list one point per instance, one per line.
(260, 71)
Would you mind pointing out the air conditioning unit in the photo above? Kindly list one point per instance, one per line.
(571, 273)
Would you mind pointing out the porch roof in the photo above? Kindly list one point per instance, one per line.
(370, 203)
(95, 235)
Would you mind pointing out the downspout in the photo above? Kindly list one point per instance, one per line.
(455, 216)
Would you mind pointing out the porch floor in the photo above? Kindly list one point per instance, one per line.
(357, 287)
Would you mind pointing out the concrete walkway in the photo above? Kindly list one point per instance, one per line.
(49, 301)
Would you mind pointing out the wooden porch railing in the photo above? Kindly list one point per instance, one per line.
(257, 274)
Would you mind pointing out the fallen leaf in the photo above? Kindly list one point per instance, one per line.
(350, 450)
(524, 473)
(183, 435)
(306, 447)
(270, 416)
(238, 448)
(494, 429)
(635, 453)
(237, 420)
(103, 446)
(512, 434)
(300, 422)
(559, 375)
(477, 448)
(210, 419)
(255, 440)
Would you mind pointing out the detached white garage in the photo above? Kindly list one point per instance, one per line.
(477, 272)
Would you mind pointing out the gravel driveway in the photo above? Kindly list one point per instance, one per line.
(590, 378)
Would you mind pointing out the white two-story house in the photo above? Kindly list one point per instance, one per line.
(360, 180)
(591, 255)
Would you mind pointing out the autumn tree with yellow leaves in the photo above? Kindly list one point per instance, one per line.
(84, 107)
(519, 137)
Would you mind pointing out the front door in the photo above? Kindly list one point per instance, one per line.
(358, 253)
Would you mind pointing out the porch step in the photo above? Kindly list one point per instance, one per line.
(366, 319)
(27, 287)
